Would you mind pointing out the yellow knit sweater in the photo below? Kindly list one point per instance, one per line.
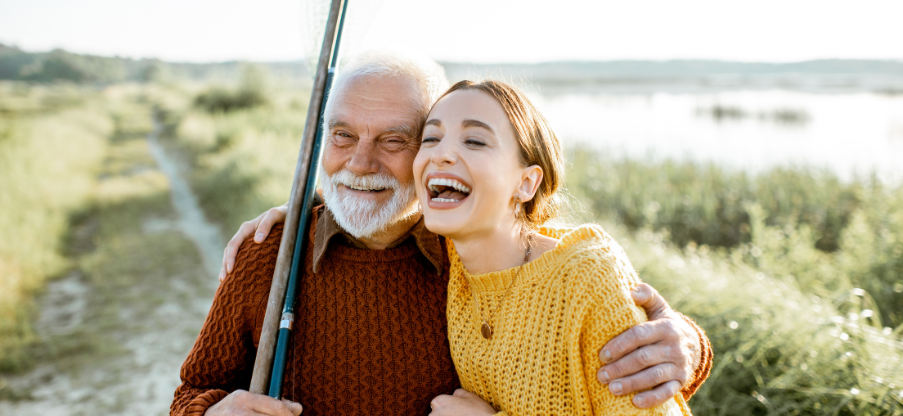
(564, 306)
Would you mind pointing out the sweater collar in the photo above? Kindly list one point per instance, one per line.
(427, 242)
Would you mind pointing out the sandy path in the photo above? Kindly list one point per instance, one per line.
(192, 223)
(155, 319)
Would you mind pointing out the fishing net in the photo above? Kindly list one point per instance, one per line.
(357, 22)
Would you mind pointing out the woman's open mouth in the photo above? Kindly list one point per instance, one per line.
(444, 190)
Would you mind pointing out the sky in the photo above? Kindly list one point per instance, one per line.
(465, 30)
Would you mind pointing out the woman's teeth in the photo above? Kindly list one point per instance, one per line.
(447, 190)
(435, 183)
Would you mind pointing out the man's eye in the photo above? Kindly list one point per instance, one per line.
(342, 139)
(393, 144)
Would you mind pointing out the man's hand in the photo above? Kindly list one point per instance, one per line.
(662, 353)
(243, 403)
(258, 227)
(461, 403)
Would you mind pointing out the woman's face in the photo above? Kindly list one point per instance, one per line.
(468, 171)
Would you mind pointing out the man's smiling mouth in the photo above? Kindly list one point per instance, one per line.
(447, 190)
(364, 189)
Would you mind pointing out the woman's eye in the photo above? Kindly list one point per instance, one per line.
(474, 143)
(429, 139)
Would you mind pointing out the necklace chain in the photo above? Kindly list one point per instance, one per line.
(486, 329)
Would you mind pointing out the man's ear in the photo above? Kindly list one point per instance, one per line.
(531, 177)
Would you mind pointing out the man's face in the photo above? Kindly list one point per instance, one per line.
(369, 152)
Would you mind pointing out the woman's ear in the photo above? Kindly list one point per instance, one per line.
(531, 177)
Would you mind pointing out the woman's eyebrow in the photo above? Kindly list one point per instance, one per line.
(477, 123)
(433, 122)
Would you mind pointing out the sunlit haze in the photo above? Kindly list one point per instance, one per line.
(466, 30)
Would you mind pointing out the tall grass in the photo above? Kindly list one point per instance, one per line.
(779, 349)
(48, 162)
(803, 224)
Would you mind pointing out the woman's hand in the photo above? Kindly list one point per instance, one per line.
(461, 403)
(258, 227)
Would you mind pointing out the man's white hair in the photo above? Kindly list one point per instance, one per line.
(427, 76)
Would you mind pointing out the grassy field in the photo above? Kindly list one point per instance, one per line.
(52, 142)
(98, 280)
(794, 274)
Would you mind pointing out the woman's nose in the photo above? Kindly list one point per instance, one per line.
(442, 155)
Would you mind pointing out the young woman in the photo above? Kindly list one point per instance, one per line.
(528, 307)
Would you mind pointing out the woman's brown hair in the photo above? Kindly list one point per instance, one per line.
(538, 146)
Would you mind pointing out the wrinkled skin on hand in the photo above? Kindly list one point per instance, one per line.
(243, 403)
(661, 354)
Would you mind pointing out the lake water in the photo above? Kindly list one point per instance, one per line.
(849, 133)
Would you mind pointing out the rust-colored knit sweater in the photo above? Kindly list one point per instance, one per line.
(369, 338)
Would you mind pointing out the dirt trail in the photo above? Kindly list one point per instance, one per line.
(205, 236)
(131, 310)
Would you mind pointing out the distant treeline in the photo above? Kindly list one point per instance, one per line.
(60, 65)
(874, 75)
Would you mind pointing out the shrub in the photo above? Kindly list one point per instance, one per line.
(253, 91)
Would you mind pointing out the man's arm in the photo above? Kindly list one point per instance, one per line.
(220, 358)
(220, 362)
(668, 354)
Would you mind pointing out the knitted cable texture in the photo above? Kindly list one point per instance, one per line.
(369, 337)
(563, 308)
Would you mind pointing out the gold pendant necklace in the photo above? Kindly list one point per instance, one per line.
(486, 329)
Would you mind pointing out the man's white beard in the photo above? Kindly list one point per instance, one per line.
(365, 218)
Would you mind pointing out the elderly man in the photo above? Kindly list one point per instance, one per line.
(370, 333)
